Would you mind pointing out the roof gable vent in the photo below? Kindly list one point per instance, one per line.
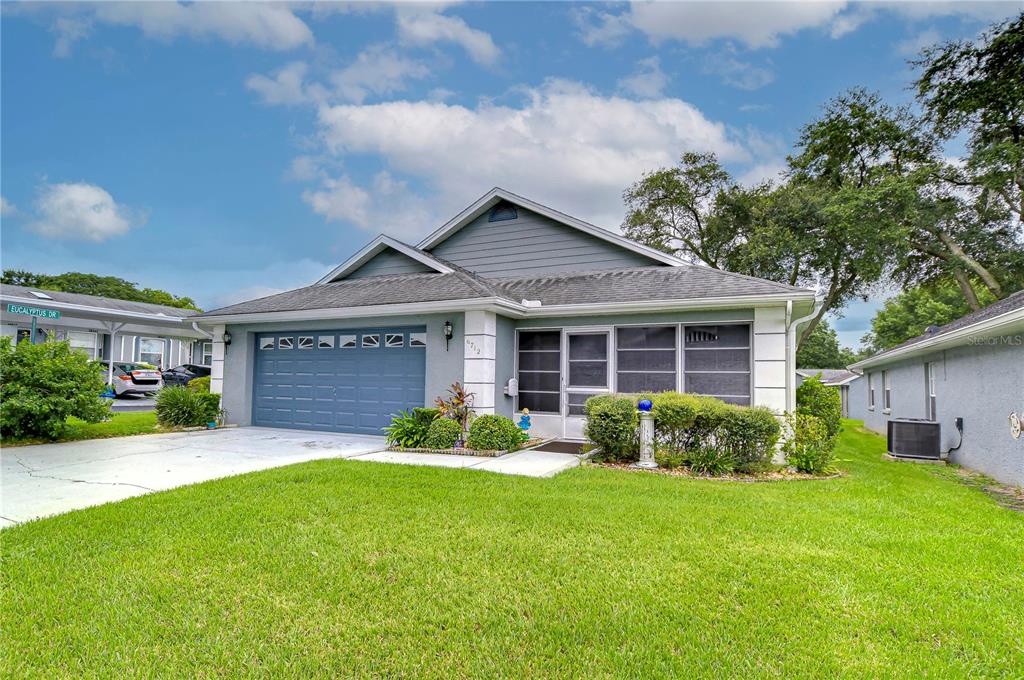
(502, 211)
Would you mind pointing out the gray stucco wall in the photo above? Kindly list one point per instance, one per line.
(444, 366)
(389, 262)
(530, 244)
(981, 384)
(504, 363)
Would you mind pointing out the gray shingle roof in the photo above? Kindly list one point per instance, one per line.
(638, 284)
(7, 290)
(829, 376)
(997, 308)
(619, 285)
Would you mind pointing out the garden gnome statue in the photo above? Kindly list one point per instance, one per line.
(646, 435)
(524, 424)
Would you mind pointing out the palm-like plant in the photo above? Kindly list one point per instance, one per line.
(458, 406)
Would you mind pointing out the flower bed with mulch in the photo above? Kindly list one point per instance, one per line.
(776, 475)
(471, 452)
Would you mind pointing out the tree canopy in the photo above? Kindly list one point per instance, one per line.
(908, 314)
(822, 350)
(93, 284)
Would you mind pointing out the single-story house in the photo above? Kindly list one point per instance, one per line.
(973, 369)
(526, 306)
(106, 328)
(839, 378)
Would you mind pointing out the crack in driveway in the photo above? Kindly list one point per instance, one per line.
(33, 473)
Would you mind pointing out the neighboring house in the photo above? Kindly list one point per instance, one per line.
(972, 368)
(106, 328)
(524, 305)
(838, 378)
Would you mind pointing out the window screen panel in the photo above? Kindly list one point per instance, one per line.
(718, 360)
(538, 382)
(592, 347)
(540, 377)
(646, 382)
(588, 373)
(717, 336)
(646, 337)
(577, 400)
(718, 384)
(539, 402)
(649, 360)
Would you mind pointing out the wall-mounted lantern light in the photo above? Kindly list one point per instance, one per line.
(449, 331)
(226, 337)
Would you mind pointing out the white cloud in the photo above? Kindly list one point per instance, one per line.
(7, 209)
(80, 211)
(739, 74)
(285, 86)
(564, 145)
(755, 24)
(912, 46)
(377, 70)
(261, 24)
(69, 30)
(647, 81)
(758, 24)
(423, 28)
(275, 277)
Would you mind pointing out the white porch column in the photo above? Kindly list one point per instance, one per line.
(478, 364)
(770, 361)
(217, 364)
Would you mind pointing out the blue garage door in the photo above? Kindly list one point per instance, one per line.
(338, 381)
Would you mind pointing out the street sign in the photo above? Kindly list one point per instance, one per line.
(33, 311)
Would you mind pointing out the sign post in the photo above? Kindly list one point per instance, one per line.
(35, 313)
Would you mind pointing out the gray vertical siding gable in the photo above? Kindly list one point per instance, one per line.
(389, 261)
(532, 244)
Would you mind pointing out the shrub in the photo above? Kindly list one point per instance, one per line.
(669, 459)
(43, 385)
(710, 460)
(708, 418)
(407, 430)
(443, 433)
(612, 425)
(674, 415)
(749, 435)
(822, 402)
(458, 406)
(808, 447)
(200, 384)
(425, 416)
(493, 433)
(183, 407)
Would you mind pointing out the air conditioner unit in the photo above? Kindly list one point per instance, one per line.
(915, 438)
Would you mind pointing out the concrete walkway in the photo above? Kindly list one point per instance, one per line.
(48, 479)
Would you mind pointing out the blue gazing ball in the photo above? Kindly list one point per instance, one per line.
(645, 405)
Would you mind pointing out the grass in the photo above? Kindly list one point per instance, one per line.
(358, 569)
(119, 425)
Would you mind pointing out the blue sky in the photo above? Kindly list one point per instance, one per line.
(225, 151)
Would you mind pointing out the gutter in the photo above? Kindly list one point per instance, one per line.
(997, 325)
(507, 307)
(791, 351)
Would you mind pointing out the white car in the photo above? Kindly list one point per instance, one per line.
(132, 378)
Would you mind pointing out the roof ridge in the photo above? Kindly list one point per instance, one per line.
(185, 311)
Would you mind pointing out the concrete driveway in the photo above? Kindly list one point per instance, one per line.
(52, 478)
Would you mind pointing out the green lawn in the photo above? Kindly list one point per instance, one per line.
(119, 425)
(354, 569)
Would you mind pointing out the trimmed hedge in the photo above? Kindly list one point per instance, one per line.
(612, 425)
(184, 407)
(493, 433)
(443, 433)
(704, 433)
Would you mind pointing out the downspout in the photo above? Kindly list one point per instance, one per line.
(791, 350)
(197, 329)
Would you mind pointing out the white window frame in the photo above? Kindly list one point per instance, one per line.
(609, 377)
(306, 342)
(871, 391)
(389, 336)
(204, 353)
(682, 349)
(163, 351)
(886, 392)
(932, 404)
(363, 344)
(345, 339)
(325, 342)
(93, 351)
(268, 343)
